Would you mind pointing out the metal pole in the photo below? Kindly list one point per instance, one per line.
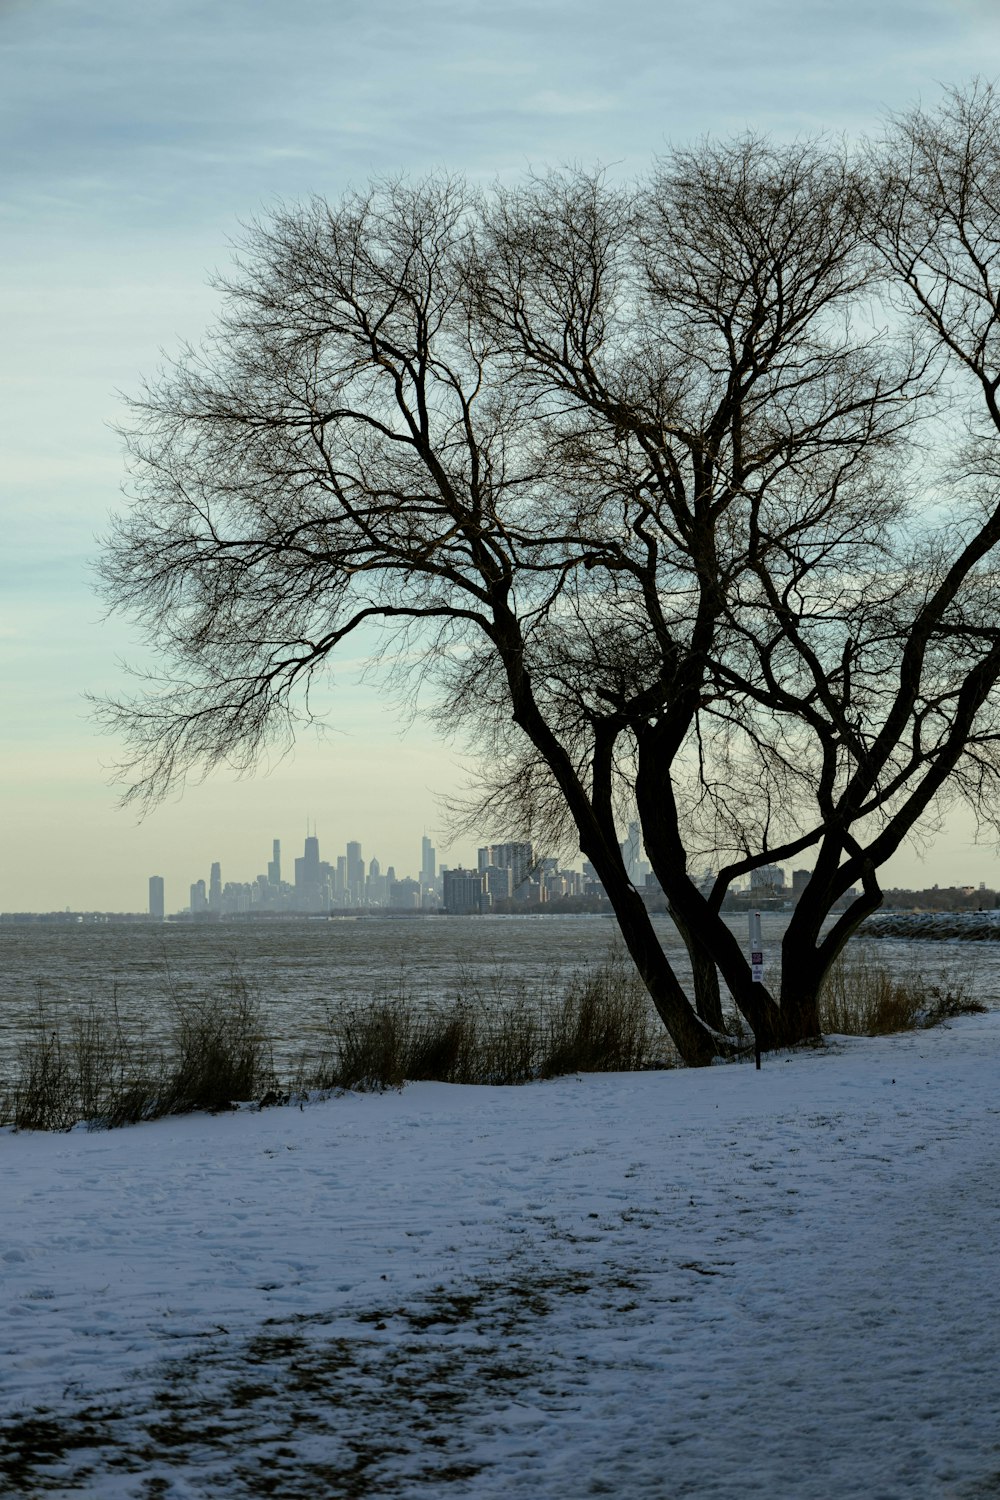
(756, 970)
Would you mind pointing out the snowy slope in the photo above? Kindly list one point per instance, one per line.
(715, 1284)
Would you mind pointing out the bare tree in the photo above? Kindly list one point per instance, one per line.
(631, 473)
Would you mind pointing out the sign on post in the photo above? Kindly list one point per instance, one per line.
(756, 970)
(756, 949)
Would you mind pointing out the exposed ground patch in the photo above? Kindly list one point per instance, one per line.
(345, 1408)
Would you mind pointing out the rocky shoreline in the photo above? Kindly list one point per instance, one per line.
(968, 926)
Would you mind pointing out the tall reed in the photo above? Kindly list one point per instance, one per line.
(85, 1067)
(863, 996)
(218, 1051)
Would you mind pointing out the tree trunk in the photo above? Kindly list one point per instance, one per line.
(708, 939)
(692, 1037)
(714, 939)
(704, 974)
(802, 973)
(807, 953)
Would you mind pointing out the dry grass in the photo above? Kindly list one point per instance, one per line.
(42, 1094)
(863, 997)
(218, 1051)
(604, 1025)
(84, 1067)
(600, 1022)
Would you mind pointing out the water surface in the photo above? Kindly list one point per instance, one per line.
(303, 968)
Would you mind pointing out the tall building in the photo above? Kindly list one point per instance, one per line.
(518, 859)
(355, 873)
(496, 883)
(404, 894)
(311, 881)
(215, 888)
(310, 860)
(376, 886)
(463, 891)
(428, 862)
(274, 865)
(631, 849)
(156, 907)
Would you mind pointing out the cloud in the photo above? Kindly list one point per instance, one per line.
(556, 102)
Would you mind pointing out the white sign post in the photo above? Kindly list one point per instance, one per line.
(756, 949)
(756, 968)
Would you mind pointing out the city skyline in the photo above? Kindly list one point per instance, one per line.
(501, 872)
(136, 156)
(348, 880)
(496, 873)
(415, 864)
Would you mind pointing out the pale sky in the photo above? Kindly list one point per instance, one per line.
(137, 136)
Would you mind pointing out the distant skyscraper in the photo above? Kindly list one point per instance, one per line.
(376, 886)
(274, 865)
(215, 888)
(156, 907)
(311, 879)
(428, 861)
(631, 848)
(463, 891)
(518, 859)
(767, 878)
(355, 872)
(404, 894)
(496, 882)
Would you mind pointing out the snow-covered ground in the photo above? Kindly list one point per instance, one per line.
(715, 1284)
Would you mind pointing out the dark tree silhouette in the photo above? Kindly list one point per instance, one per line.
(633, 475)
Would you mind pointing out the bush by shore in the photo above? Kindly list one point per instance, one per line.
(864, 997)
(83, 1066)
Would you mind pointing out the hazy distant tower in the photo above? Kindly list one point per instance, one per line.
(631, 850)
(308, 876)
(156, 907)
(428, 861)
(310, 859)
(215, 888)
(355, 870)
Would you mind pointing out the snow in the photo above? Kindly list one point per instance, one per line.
(714, 1283)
